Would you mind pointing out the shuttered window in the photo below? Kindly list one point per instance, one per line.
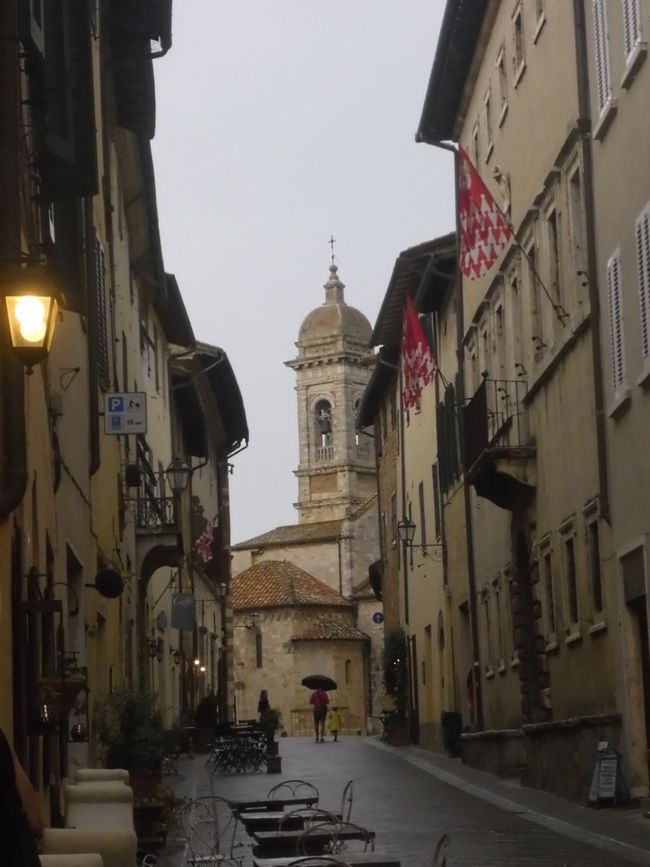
(436, 500)
(631, 26)
(616, 320)
(643, 264)
(102, 324)
(603, 67)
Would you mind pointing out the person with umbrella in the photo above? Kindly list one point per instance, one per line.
(319, 701)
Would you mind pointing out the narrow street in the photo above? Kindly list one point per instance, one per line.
(410, 797)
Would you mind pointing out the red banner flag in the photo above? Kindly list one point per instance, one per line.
(418, 364)
(484, 229)
(203, 545)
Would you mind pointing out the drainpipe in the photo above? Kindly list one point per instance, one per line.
(12, 376)
(584, 123)
(460, 402)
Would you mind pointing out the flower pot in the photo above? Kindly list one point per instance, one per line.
(273, 764)
(272, 748)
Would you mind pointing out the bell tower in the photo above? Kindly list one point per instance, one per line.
(336, 473)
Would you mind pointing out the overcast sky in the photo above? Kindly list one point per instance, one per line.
(280, 124)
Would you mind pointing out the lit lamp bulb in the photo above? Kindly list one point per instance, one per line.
(202, 668)
(30, 313)
(197, 661)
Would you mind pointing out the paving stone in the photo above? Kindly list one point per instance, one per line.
(410, 797)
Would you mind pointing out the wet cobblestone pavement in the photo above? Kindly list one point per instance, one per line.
(410, 797)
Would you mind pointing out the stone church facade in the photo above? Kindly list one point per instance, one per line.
(336, 538)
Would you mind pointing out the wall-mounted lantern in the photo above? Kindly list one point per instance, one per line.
(178, 475)
(31, 302)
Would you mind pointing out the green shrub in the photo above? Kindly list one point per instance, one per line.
(129, 725)
(396, 671)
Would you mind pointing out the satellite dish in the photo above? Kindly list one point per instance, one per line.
(108, 583)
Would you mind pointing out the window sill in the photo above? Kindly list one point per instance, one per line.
(541, 21)
(598, 628)
(552, 646)
(520, 73)
(573, 638)
(514, 663)
(503, 113)
(634, 63)
(620, 404)
(606, 117)
(502, 667)
(489, 673)
(490, 148)
(643, 379)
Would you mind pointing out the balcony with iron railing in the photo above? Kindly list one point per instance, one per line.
(499, 454)
(155, 510)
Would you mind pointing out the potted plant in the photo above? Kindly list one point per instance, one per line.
(396, 685)
(154, 816)
(129, 725)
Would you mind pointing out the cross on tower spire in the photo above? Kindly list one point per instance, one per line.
(331, 242)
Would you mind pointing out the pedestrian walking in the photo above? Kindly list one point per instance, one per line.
(319, 700)
(263, 703)
(334, 722)
(21, 815)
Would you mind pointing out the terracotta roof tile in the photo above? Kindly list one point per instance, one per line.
(293, 534)
(278, 583)
(328, 628)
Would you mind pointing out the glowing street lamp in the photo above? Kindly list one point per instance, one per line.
(31, 303)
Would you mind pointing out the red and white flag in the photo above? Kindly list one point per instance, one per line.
(418, 364)
(203, 545)
(484, 229)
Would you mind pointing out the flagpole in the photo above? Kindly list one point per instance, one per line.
(560, 312)
(467, 506)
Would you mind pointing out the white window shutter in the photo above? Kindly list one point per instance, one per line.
(616, 320)
(603, 68)
(631, 26)
(643, 264)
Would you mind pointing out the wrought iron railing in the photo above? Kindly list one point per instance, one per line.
(495, 416)
(156, 513)
(154, 509)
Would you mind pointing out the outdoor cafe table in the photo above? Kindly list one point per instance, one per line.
(367, 859)
(274, 804)
(286, 842)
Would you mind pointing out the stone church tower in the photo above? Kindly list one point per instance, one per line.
(283, 630)
(337, 471)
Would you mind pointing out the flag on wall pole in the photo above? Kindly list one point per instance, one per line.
(418, 364)
(203, 545)
(484, 229)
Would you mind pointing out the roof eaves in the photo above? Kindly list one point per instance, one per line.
(459, 37)
(414, 269)
(224, 384)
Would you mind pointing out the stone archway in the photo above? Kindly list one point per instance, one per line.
(156, 557)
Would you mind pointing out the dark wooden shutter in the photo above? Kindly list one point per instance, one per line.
(31, 30)
(103, 370)
(69, 159)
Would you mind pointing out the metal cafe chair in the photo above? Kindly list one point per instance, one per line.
(309, 816)
(340, 835)
(293, 789)
(199, 824)
(318, 861)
